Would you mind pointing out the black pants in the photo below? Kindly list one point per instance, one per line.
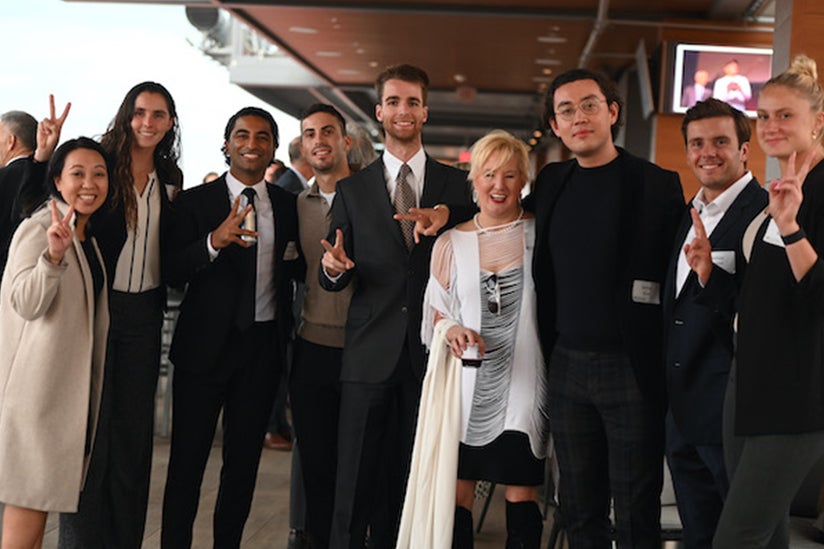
(609, 441)
(377, 428)
(243, 386)
(315, 395)
(112, 508)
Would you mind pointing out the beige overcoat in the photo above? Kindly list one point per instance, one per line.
(52, 352)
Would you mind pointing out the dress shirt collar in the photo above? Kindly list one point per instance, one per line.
(236, 187)
(16, 158)
(723, 201)
(393, 164)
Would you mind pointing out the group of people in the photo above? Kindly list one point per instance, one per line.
(599, 308)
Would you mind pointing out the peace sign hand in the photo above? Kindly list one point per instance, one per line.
(699, 251)
(229, 231)
(59, 234)
(48, 132)
(335, 260)
(786, 194)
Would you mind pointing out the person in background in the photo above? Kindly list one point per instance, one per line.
(773, 413)
(600, 317)
(698, 335)
(54, 318)
(211, 176)
(480, 278)
(698, 90)
(361, 151)
(295, 178)
(733, 88)
(18, 139)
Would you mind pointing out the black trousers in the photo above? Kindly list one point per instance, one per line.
(315, 395)
(112, 508)
(375, 436)
(609, 441)
(243, 386)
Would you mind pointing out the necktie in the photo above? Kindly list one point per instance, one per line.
(247, 269)
(405, 199)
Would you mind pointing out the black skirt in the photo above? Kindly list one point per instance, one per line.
(506, 460)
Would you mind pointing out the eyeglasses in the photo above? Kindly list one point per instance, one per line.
(588, 106)
(494, 301)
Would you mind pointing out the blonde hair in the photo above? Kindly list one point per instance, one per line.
(499, 141)
(801, 77)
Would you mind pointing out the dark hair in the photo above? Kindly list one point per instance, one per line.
(714, 108)
(118, 143)
(58, 162)
(23, 126)
(248, 111)
(407, 73)
(607, 86)
(328, 109)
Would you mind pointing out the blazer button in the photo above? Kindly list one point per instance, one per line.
(403, 309)
(679, 322)
(677, 364)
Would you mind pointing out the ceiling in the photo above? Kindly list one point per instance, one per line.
(489, 61)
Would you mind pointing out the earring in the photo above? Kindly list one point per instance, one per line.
(815, 134)
(474, 195)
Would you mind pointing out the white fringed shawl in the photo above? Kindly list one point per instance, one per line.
(429, 506)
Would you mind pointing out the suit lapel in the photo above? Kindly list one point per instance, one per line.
(434, 183)
(731, 216)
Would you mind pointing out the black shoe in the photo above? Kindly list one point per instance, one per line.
(298, 540)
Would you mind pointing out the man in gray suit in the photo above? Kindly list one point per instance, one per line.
(296, 178)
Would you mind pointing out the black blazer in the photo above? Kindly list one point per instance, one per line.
(207, 313)
(12, 179)
(385, 311)
(699, 323)
(652, 202)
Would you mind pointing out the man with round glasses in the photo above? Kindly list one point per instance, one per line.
(605, 224)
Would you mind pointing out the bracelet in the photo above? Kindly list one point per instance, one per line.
(794, 237)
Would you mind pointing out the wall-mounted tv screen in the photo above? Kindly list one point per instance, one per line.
(732, 74)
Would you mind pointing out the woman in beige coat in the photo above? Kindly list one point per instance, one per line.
(53, 324)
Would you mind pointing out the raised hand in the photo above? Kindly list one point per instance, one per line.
(230, 232)
(334, 259)
(460, 338)
(786, 194)
(699, 251)
(48, 131)
(59, 234)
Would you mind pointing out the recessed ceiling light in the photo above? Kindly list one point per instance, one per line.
(552, 39)
(349, 72)
(537, 134)
(550, 62)
(360, 51)
(547, 71)
(327, 53)
(459, 78)
(303, 30)
(373, 64)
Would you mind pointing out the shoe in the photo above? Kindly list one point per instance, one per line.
(275, 441)
(298, 540)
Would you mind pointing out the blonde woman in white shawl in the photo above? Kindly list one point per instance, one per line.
(480, 280)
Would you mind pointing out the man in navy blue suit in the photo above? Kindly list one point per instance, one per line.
(699, 305)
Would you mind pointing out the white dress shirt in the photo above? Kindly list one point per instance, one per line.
(392, 166)
(264, 282)
(711, 215)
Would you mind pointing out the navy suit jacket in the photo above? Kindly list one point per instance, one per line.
(652, 202)
(208, 311)
(385, 311)
(699, 324)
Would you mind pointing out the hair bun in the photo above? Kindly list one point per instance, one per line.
(804, 66)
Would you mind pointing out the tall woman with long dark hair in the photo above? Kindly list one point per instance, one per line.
(143, 140)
